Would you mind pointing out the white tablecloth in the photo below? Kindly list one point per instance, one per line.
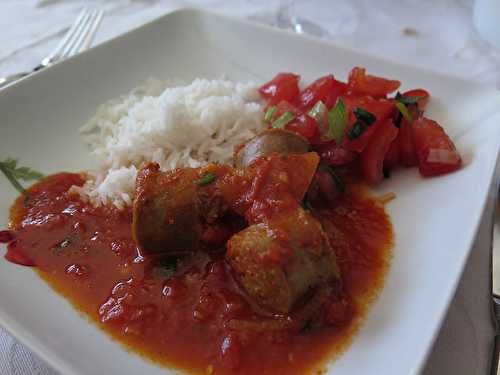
(434, 34)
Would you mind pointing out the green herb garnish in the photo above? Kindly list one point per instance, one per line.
(408, 100)
(318, 111)
(363, 115)
(269, 114)
(338, 180)
(166, 268)
(337, 121)
(284, 119)
(356, 130)
(14, 173)
(307, 205)
(404, 111)
(62, 245)
(206, 179)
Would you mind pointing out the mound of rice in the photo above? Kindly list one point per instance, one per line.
(179, 126)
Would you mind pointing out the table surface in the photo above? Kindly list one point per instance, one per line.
(432, 34)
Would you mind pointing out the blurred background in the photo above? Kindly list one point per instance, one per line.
(434, 34)
(430, 34)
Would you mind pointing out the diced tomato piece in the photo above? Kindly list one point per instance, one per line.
(285, 86)
(326, 186)
(362, 83)
(282, 107)
(304, 126)
(436, 152)
(359, 144)
(392, 156)
(381, 108)
(6, 236)
(424, 94)
(326, 89)
(333, 154)
(17, 255)
(407, 153)
(339, 89)
(372, 158)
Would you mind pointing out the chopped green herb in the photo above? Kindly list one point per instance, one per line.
(356, 130)
(338, 180)
(404, 111)
(62, 245)
(363, 115)
(337, 121)
(206, 179)
(307, 205)
(318, 111)
(14, 173)
(166, 268)
(409, 100)
(269, 114)
(284, 119)
(26, 200)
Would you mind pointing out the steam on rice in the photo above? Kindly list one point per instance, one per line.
(179, 126)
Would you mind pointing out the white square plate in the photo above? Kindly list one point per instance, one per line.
(435, 220)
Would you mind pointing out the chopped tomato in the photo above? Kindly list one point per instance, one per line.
(326, 186)
(392, 156)
(282, 107)
(327, 89)
(363, 133)
(423, 94)
(333, 154)
(436, 152)
(362, 83)
(17, 255)
(407, 151)
(304, 126)
(372, 158)
(285, 86)
(381, 109)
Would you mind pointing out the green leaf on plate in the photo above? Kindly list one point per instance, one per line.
(14, 173)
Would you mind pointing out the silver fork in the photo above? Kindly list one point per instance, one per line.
(77, 39)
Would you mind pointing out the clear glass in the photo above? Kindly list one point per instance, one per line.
(287, 19)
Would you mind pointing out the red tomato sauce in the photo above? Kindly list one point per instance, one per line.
(87, 254)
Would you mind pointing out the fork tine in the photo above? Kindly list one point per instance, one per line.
(84, 34)
(68, 36)
(80, 29)
(90, 36)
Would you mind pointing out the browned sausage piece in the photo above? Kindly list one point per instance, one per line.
(268, 142)
(172, 209)
(279, 261)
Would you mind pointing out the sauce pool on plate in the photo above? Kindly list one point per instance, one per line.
(193, 315)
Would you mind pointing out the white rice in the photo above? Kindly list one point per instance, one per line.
(180, 126)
